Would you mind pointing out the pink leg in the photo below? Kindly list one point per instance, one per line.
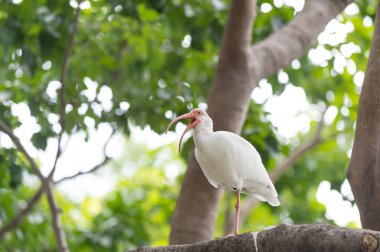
(237, 208)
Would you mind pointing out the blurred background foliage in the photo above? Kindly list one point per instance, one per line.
(142, 63)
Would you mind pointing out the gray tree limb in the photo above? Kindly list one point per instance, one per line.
(309, 237)
(294, 39)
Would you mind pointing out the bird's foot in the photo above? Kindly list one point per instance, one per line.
(229, 235)
(226, 236)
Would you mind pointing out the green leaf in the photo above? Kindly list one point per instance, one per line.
(15, 172)
(39, 141)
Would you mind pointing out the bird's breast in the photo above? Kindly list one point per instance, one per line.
(217, 167)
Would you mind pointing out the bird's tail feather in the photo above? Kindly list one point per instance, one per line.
(272, 200)
(262, 192)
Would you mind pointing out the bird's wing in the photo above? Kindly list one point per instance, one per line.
(248, 166)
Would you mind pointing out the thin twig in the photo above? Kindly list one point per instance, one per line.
(57, 155)
(96, 167)
(62, 101)
(20, 147)
(19, 216)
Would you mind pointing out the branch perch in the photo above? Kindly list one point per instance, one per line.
(309, 237)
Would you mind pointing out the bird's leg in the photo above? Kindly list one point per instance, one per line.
(237, 209)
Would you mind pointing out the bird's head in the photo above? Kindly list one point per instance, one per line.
(198, 119)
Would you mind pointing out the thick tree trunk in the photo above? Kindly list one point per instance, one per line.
(239, 69)
(313, 237)
(364, 170)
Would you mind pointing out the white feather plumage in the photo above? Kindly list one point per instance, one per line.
(229, 160)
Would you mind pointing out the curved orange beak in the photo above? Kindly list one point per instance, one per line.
(192, 124)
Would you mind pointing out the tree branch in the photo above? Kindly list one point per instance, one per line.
(19, 216)
(96, 167)
(21, 148)
(293, 40)
(60, 236)
(234, 76)
(59, 233)
(238, 32)
(56, 212)
(299, 151)
(309, 237)
(63, 78)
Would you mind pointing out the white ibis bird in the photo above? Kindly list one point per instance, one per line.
(229, 160)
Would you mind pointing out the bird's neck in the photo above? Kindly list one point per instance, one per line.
(200, 135)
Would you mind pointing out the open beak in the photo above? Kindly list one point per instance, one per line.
(191, 125)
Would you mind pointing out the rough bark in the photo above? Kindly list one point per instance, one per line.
(239, 69)
(364, 170)
(313, 237)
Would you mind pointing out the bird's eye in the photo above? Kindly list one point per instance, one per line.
(199, 112)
